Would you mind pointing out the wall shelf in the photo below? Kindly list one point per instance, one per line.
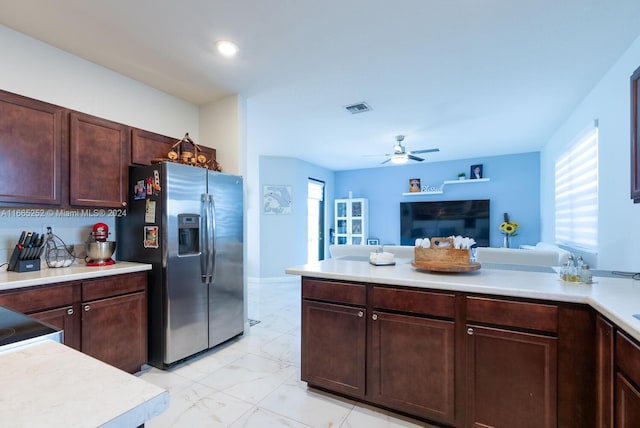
(466, 181)
(440, 190)
(434, 192)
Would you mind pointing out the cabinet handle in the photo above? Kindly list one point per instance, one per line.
(374, 317)
(69, 311)
(470, 331)
(360, 314)
(87, 308)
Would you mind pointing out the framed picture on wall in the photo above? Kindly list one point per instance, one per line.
(475, 171)
(414, 185)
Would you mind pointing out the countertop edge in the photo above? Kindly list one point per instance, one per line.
(113, 398)
(15, 280)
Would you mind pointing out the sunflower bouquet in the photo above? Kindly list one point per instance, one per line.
(509, 229)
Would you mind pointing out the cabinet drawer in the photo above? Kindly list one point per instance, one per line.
(628, 357)
(415, 301)
(535, 316)
(38, 298)
(113, 286)
(354, 294)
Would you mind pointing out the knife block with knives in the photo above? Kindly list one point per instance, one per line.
(27, 252)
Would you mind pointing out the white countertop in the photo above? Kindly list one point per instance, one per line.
(616, 298)
(75, 272)
(47, 384)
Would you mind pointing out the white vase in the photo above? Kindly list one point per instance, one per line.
(507, 241)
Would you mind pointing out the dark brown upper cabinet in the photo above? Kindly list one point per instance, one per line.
(54, 156)
(33, 144)
(146, 146)
(98, 162)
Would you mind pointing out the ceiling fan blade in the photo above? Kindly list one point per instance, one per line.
(425, 151)
(415, 158)
(383, 162)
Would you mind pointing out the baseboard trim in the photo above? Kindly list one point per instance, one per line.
(273, 279)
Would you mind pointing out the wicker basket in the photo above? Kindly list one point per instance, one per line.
(442, 253)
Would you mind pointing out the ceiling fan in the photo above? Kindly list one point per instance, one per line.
(401, 155)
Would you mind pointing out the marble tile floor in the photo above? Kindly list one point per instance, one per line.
(254, 380)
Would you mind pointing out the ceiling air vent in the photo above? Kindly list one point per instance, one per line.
(357, 108)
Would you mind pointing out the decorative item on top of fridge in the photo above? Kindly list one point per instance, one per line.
(187, 152)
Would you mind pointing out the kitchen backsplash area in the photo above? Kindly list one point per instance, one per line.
(72, 226)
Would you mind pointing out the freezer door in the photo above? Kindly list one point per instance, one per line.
(185, 305)
(226, 292)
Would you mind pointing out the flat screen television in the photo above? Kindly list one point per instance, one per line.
(445, 218)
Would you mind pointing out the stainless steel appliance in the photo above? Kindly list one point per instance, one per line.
(17, 329)
(188, 223)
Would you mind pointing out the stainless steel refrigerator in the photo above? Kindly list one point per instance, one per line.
(188, 223)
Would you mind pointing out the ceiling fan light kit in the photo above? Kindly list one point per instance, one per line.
(400, 154)
(399, 159)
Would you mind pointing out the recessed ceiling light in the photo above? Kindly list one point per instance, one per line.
(227, 48)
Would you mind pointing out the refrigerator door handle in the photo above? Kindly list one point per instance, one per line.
(212, 242)
(204, 241)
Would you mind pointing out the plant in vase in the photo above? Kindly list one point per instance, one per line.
(462, 176)
(508, 229)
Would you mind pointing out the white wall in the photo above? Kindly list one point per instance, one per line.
(619, 217)
(222, 126)
(283, 238)
(38, 70)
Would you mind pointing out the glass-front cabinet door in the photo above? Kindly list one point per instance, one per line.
(351, 222)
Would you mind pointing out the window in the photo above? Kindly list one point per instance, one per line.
(315, 220)
(576, 196)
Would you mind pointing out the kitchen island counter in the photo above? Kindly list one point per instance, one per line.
(47, 384)
(76, 272)
(616, 298)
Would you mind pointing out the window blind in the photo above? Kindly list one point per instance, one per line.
(315, 190)
(576, 193)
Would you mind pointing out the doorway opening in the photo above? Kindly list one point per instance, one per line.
(315, 220)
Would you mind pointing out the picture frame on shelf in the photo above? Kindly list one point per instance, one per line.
(414, 185)
(373, 241)
(476, 171)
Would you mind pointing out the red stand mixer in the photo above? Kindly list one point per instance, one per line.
(99, 250)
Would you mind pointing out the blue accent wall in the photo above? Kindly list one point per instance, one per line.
(514, 187)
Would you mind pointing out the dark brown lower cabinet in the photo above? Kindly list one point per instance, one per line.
(56, 304)
(627, 382)
(458, 359)
(627, 403)
(113, 330)
(103, 317)
(114, 320)
(333, 347)
(381, 349)
(65, 319)
(411, 367)
(511, 379)
(605, 336)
